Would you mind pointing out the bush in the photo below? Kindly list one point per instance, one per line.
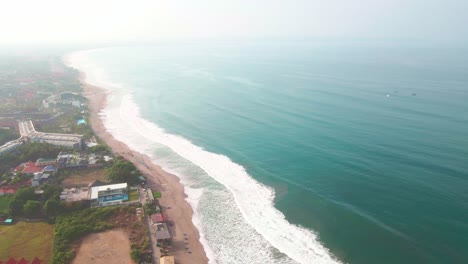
(75, 225)
(135, 254)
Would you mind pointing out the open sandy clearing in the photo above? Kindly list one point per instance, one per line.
(102, 248)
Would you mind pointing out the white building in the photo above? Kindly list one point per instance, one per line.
(28, 132)
(10, 146)
(108, 194)
(65, 140)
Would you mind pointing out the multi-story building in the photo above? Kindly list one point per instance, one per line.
(108, 194)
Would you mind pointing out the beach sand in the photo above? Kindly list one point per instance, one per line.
(173, 195)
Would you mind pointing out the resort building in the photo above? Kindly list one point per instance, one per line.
(29, 133)
(108, 194)
(10, 146)
(65, 140)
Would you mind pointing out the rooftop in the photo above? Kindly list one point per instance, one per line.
(167, 260)
(158, 218)
(95, 190)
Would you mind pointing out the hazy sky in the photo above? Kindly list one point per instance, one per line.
(62, 21)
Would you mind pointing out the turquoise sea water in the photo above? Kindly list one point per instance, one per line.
(303, 152)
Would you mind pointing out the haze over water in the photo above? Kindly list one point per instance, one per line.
(363, 145)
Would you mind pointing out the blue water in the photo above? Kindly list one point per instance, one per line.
(123, 197)
(303, 152)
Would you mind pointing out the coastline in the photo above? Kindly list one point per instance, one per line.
(172, 190)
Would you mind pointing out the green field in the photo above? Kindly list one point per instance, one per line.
(133, 195)
(27, 240)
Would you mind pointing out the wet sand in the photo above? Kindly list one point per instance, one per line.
(173, 196)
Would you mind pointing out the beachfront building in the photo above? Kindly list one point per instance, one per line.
(108, 194)
(162, 232)
(158, 218)
(167, 260)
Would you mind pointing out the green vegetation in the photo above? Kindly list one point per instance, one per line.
(156, 194)
(7, 135)
(140, 247)
(150, 209)
(27, 203)
(28, 240)
(71, 227)
(4, 204)
(123, 171)
(136, 255)
(26, 152)
(100, 149)
(133, 195)
(66, 123)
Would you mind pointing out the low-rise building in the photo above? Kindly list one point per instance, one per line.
(41, 162)
(167, 260)
(65, 140)
(162, 232)
(158, 218)
(108, 194)
(71, 160)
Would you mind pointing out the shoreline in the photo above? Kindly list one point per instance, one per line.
(173, 194)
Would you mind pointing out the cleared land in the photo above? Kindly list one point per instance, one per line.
(107, 247)
(84, 177)
(27, 240)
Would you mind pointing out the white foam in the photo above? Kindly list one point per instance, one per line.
(253, 201)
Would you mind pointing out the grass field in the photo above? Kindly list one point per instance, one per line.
(156, 194)
(26, 240)
(133, 195)
(4, 202)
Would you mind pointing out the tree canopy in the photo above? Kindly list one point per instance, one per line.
(123, 171)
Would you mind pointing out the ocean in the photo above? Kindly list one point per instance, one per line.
(302, 152)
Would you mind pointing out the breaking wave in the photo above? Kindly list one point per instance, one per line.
(234, 213)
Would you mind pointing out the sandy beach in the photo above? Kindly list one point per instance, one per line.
(173, 195)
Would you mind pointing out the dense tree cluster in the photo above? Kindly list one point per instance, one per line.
(28, 152)
(73, 226)
(123, 171)
(7, 135)
(27, 203)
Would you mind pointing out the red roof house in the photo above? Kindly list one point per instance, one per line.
(11, 261)
(5, 191)
(36, 261)
(22, 261)
(32, 169)
(158, 218)
(22, 166)
(28, 168)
